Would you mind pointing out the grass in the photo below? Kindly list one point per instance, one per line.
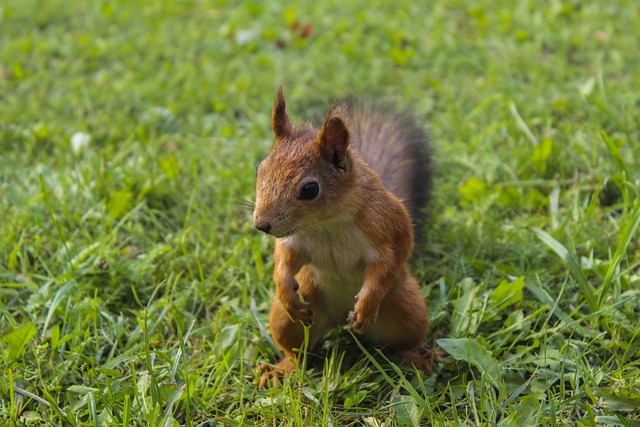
(134, 291)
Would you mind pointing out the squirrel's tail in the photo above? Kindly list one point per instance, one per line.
(397, 149)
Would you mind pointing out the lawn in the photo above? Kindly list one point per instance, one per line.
(134, 290)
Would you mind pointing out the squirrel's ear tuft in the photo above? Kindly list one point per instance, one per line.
(279, 118)
(334, 140)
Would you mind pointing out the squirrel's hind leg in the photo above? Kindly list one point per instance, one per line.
(289, 335)
(402, 325)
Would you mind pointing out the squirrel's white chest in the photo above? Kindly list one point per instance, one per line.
(338, 253)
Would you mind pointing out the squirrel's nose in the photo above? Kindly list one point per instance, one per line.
(265, 227)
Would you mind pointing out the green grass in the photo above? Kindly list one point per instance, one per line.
(134, 291)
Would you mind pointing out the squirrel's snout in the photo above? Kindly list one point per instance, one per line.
(265, 227)
(261, 221)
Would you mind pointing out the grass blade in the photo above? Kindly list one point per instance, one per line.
(629, 233)
(571, 261)
(47, 202)
(407, 385)
(62, 292)
(126, 412)
(615, 154)
(31, 396)
(57, 410)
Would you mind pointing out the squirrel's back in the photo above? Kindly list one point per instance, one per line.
(397, 149)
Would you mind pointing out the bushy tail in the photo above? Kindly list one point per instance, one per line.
(397, 149)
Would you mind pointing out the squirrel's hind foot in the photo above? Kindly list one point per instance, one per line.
(274, 373)
(423, 358)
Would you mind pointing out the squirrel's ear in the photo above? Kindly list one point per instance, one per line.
(279, 118)
(334, 140)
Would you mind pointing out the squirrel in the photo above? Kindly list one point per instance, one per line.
(340, 202)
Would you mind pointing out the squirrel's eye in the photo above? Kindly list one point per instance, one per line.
(309, 191)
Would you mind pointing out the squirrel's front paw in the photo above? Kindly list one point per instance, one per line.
(361, 322)
(300, 311)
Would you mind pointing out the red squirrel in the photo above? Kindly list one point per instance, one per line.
(339, 202)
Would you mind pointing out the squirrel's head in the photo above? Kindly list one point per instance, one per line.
(305, 178)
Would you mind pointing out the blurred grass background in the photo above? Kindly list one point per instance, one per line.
(134, 290)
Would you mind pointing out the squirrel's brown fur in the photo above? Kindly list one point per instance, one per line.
(343, 234)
